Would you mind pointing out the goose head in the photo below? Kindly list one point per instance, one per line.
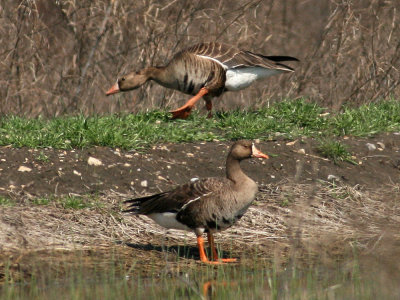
(129, 82)
(245, 149)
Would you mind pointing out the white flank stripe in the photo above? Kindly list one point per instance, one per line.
(190, 201)
(168, 220)
(238, 79)
(195, 199)
(213, 59)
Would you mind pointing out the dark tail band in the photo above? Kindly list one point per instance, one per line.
(282, 58)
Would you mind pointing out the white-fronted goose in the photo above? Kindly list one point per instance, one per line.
(206, 205)
(206, 70)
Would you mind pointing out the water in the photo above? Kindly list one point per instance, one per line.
(83, 277)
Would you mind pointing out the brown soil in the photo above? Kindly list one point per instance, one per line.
(163, 166)
(298, 210)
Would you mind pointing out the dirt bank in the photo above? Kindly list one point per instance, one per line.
(298, 208)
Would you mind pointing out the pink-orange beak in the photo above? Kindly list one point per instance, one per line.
(113, 90)
(258, 153)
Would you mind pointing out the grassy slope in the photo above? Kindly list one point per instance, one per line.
(128, 131)
(291, 118)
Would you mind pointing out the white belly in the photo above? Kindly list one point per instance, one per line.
(241, 78)
(168, 220)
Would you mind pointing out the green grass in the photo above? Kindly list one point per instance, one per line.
(134, 131)
(41, 157)
(4, 201)
(41, 201)
(335, 151)
(78, 202)
(65, 201)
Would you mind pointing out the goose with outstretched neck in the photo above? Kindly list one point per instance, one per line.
(205, 71)
(206, 205)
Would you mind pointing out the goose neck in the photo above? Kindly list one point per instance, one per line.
(234, 171)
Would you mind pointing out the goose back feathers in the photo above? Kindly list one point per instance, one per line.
(203, 205)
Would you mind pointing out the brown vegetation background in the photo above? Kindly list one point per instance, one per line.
(59, 57)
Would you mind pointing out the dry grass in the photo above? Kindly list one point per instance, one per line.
(59, 56)
(300, 220)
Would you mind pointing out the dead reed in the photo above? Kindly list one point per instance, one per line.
(58, 57)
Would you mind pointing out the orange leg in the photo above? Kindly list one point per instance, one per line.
(214, 251)
(209, 108)
(184, 111)
(200, 244)
(208, 287)
(203, 256)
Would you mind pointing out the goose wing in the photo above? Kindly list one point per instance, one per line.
(178, 198)
(231, 57)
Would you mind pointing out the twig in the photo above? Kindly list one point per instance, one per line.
(88, 62)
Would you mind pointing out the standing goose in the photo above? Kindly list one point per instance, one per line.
(206, 205)
(206, 70)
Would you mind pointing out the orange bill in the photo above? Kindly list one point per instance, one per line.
(113, 90)
(258, 153)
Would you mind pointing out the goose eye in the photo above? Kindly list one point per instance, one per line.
(123, 79)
